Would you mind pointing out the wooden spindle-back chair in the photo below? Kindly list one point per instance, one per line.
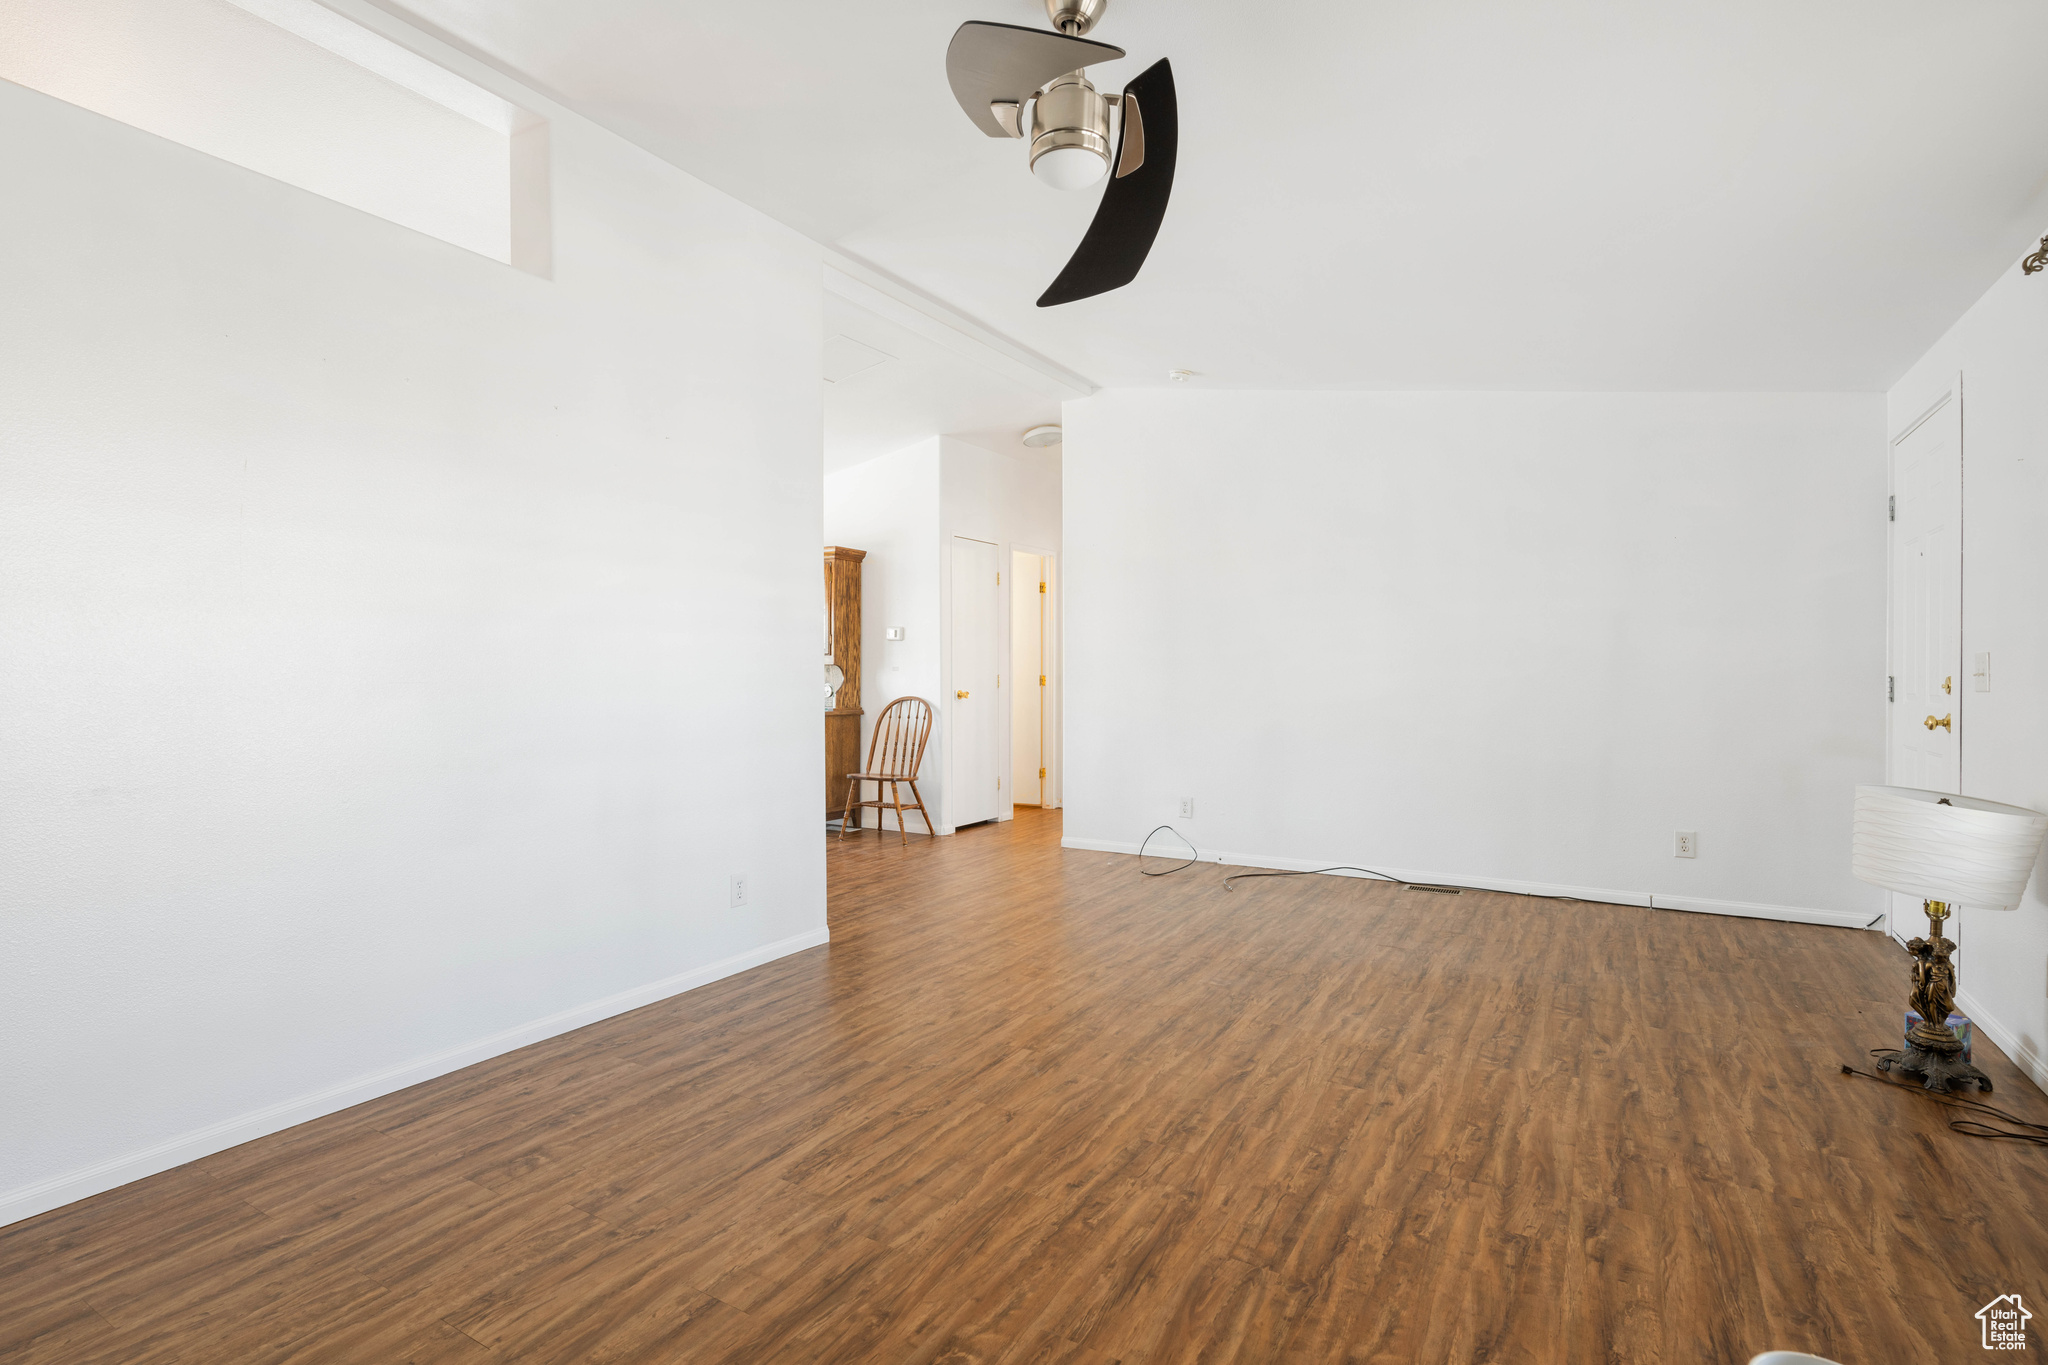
(893, 757)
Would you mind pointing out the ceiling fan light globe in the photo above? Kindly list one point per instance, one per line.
(1069, 168)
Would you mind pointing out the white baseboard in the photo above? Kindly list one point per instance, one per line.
(41, 1197)
(1792, 914)
(887, 825)
(885, 821)
(1795, 914)
(2009, 1042)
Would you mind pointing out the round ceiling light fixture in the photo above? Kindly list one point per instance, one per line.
(1070, 133)
(1180, 376)
(1040, 437)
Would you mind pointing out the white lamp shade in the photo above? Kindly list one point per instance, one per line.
(1968, 852)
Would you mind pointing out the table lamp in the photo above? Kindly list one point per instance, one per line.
(1947, 850)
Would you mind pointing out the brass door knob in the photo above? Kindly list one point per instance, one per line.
(1930, 719)
(1941, 724)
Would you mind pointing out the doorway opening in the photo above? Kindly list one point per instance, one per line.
(1030, 619)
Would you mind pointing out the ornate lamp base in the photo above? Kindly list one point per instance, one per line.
(1937, 1070)
(1933, 1052)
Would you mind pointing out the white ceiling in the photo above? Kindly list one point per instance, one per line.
(1725, 194)
(895, 387)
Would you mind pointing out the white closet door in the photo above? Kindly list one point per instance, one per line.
(1927, 601)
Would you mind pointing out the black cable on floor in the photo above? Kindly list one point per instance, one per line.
(2036, 1134)
(1171, 870)
(1451, 887)
(1968, 1127)
(1316, 872)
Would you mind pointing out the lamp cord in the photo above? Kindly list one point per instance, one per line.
(1317, 872)
(1171, 870)
(2037, 1134)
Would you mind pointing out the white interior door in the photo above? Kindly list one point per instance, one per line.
(976, 721)
(1027, 674)
(1927, 601)
(1927, 609)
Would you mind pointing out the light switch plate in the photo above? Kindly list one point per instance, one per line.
(893, 633)
(1980, 672)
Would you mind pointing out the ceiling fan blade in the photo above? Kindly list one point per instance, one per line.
(1134, 203)
(1002, 63)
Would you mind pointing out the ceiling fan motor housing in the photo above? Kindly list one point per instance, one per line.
(1074, 17)
(1070, 122)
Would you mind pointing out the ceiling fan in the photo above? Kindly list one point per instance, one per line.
(996, 70)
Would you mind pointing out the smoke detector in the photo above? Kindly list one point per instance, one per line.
(1180, 376)
(1040, 437)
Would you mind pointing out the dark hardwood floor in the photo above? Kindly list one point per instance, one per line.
(1032, 1106)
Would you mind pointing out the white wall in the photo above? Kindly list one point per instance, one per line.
(2000, 347)
(904, 509)
(1519, 638)
(372, 614)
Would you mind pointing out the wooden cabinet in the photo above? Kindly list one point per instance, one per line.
(842, 644)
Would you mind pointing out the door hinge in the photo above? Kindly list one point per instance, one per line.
(999, 784)
(1891, 689)
(1041, 587)
(1041, 680)
(1894, 516)
(1041, 774)
(999, 580)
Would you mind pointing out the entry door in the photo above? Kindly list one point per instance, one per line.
(976, 717)
(1927, 600)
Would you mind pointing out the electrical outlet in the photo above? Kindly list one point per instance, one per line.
(737, 893)
(1187, 808)
(1688, 844)
(1981, 674)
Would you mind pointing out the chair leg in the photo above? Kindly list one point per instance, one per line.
(852, 790)
(896, 794)
(919, 800)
